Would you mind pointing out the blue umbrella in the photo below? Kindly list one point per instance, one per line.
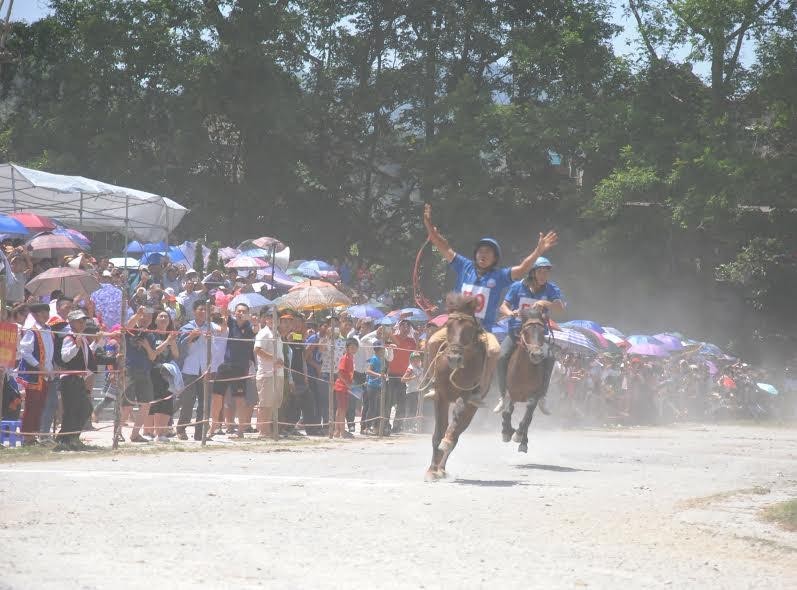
(75, 236)
(363, 312)
(9, 225)
(152, 258)
(176, 255)
(256, 253)
(588, 324)
(316, 268)
(573, 341)
(412, 314)
(642, 339)
(156, 247)
(669, 341)
(255, 301)
(134, 247)
(386, 321)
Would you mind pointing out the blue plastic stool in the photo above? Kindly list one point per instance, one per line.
(9, 431)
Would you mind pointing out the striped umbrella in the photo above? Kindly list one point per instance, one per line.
(642, 339)
(573, 341)
(588, 324)
(49, 245)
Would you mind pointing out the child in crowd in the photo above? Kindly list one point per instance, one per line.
(373, 389)
(342, 387)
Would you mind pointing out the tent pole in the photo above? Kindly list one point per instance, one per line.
(13, 189)
(122, 356)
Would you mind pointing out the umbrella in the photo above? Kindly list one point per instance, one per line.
(712, 368)
(72, 281)
(254, 253)
(615, 331)
(766, 387)
(11, 225)
(228, 253)
(152, 258)
(265, 243)
(316, 267)
(48, 245)
(295, 263)
(588, 324)
(669, 341)
(573, 341)
(255, 301)
(378, 304)
(74, 235)
(598, 339)
(124, 262)
(708, 349)
(641, 339)
(312, 283)
(386, 321)
(313, 299)
(34, 223)
(614, 338)
(439, 320)
(246, 262)
(412, 314)
(134, 247)
(363, 312)
(647, 350)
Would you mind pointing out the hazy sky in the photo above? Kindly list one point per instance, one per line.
(624, 44)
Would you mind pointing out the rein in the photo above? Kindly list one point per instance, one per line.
(458, 315)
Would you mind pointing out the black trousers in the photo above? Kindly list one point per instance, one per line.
(76, 406)
(397, 396)
(194, 394)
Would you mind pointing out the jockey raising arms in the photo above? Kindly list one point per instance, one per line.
(484, 279)
(535, 291)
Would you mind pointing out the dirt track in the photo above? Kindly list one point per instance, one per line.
(647, 508)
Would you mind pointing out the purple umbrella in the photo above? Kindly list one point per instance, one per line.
(647, 350)
(641, 339)
(365, 312)
(669, 341)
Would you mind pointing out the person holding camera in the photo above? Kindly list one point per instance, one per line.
(138, 364)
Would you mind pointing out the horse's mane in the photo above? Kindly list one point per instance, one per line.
(459, 303)
(531, 313)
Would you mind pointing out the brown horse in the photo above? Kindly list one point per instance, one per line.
(456, 365)
(525, 376)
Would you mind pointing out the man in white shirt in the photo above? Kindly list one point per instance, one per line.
(76, 357)
(270, 375)
(36, 354)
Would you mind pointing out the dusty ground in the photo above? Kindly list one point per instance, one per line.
(642, 508)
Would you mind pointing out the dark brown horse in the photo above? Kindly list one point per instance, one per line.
(456, 365)
(525, 376)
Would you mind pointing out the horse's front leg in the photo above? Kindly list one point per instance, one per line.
(440, 427)
(463, 415)
(506, 423)
(523, 427)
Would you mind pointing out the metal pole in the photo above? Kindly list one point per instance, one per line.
(13, 189)
(121, 357)
(275, 432)
(206, 379)
(383, 402)
(332, 370)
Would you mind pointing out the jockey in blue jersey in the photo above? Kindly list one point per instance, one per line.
(483, 279)
(535, 291)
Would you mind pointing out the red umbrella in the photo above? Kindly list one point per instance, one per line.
(246, 262)
(35, 223)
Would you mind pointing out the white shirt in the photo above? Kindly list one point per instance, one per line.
(27, 343)
(265, 341)
(69, 350)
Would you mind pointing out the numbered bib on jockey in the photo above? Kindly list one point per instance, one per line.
(482, 295)
(525, 303)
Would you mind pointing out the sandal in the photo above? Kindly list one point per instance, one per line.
(137, 438)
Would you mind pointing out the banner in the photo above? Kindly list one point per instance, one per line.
(8, 345)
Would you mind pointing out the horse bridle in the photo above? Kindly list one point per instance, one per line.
(543, 321)
(458, 315)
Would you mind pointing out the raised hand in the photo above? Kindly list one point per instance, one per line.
(547, 241)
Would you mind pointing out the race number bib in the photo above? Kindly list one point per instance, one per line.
(525, 303)
(482, 295)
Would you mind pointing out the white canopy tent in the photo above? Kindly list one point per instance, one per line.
(86, 204)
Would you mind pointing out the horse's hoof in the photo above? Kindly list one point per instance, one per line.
(441, 474)
(516, 437)
(523, 448)
(431, 475)
(445, 445)
(507, 436)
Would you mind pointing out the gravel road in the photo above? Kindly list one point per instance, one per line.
(639, 508)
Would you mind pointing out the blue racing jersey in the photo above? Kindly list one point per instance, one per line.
(486, 288)
(521, 297)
